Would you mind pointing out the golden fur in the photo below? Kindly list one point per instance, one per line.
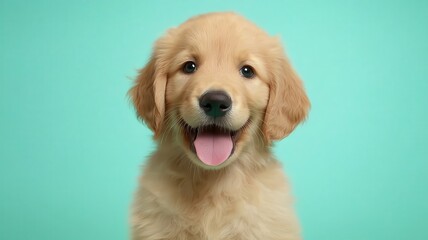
(247, 197)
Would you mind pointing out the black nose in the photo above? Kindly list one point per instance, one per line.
(215, 103)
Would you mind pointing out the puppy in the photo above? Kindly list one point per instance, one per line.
(216, 92)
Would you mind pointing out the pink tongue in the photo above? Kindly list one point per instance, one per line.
(213, 148)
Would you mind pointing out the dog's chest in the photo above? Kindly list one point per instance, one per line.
(217, 217)
(236, 213)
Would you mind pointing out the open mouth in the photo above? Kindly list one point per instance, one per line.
(212, 144)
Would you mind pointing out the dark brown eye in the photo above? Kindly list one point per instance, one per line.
(189, 67)
(247, 71)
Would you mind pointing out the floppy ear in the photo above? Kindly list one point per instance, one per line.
(288, 104)
(148, 93)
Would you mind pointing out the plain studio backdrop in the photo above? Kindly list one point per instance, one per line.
(71, 145)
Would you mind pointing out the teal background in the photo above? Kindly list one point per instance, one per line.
(71, 146)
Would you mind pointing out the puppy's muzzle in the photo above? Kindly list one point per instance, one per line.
(215, 103)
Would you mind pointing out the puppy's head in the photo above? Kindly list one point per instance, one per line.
(217, 86)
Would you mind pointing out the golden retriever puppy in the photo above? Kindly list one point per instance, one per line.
(216, 92)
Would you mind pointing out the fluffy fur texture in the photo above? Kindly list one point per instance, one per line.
(246, 197)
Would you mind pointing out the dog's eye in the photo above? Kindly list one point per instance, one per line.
(247, 71)
(189, 67)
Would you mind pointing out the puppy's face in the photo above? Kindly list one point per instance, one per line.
(217, 89)
(217, 85)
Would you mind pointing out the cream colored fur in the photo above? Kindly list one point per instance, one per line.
(247, 197)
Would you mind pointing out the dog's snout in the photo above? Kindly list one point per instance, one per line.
(215, 103)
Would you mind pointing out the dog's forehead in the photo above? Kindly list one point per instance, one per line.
(222, 34)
